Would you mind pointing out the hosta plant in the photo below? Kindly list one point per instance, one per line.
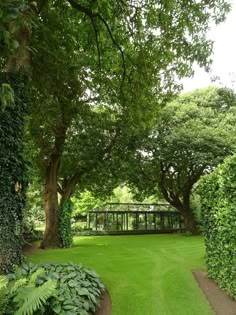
(64, 289)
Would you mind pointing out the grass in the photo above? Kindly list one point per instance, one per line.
(145, 274)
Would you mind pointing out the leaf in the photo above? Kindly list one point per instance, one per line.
(6, 96)
(39, 272)
(92, 297)
(72, 283)
(3, 282)
(35, 298)
(15, 44)
(17, 284)
(83, 291)
(57, 308)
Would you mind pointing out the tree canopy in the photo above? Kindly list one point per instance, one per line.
(192, 136)
(93, 93)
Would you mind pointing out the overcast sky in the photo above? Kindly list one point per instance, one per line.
(224, 57)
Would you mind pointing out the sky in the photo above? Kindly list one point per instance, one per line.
(224, 56)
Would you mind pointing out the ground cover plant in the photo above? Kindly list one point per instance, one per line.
(64, 289)
(145, 274)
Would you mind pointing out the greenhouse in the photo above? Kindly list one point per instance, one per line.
(154, 218)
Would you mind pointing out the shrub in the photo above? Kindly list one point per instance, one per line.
(79, 227)
(218, 204)
(65, 289)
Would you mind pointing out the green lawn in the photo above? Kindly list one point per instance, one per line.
(145, 274)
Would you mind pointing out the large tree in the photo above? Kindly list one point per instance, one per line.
(192, 136)
(77, 112)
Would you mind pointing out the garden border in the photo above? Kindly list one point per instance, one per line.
(220, 301)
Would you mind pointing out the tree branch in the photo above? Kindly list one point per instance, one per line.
(59, 189)
(93, 15)
(97, 41)
(82, 8)
(68, 185)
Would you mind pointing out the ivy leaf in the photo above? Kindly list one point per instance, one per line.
(7, 96)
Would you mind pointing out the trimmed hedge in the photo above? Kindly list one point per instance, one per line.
(218, 204)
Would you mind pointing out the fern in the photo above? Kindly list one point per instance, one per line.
(3, 293)
(19, 283)
(32, 299)
(39, 272)
(3, 282)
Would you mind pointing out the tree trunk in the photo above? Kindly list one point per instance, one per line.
(52, 238)
(13, 181)
(66, 208)
(184, 208)
(67, 188)
(11, 145)
(190, 222)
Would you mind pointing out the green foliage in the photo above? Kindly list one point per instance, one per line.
(15, 15)
(122, 194)
(79, 226)
(3, 293)
(195, 204)
(34, 208)
(65, 223)
(12, 173)
(33, 213)
(193, 134)
(51, 289)
(31, 298)
(100, 80)
(6, 96)
(85, 202)
(79, 289)
(22, 296)
(218, 204)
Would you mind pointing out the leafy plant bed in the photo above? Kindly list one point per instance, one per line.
(64, 289)
(220, 301)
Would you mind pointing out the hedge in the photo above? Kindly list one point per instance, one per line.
(218, 206)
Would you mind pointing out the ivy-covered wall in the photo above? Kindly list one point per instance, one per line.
(12, 172)
(218, 204)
